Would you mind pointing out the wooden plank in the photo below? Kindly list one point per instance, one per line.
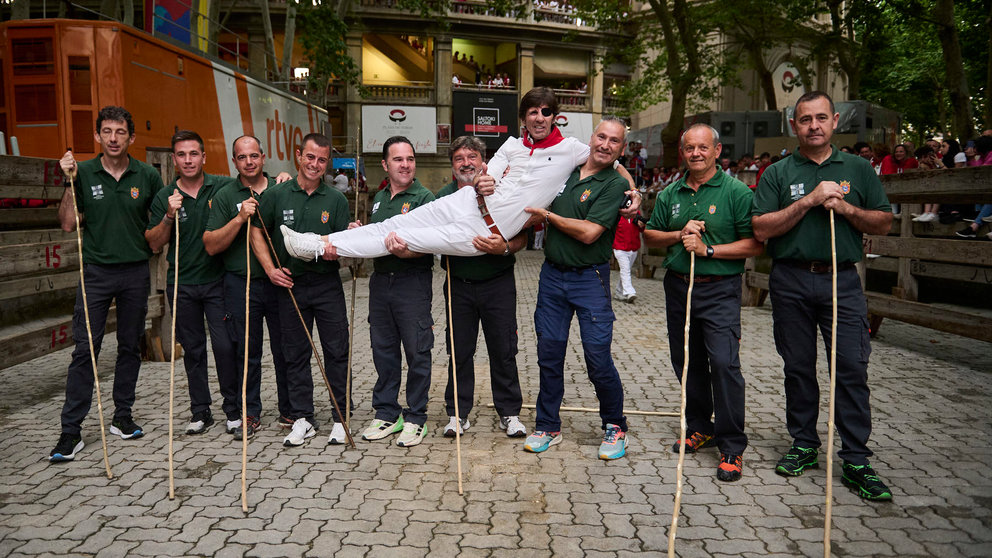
(33, 171)
(975, 252)
(965, 185)
(29, 217)
(31, 191)
(38, 235)
(54, 335)
(17, 288)
(933, 317)
(956, 272)
(882, 264)
(31, 258)
(756, 280)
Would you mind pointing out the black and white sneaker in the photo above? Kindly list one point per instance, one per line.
(200, 422)
(233, 426)
(66, 449)
(126, 428)
(967, 232)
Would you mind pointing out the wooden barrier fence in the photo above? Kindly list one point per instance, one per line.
(39, 269)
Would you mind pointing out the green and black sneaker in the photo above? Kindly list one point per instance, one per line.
(797, 460)
(863, 480)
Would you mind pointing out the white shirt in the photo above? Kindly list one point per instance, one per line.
(341, 183)
(533, 180)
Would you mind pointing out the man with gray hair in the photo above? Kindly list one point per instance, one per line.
(482, 289)
(707, 213)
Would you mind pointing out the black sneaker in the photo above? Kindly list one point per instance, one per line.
(254, 424)
(125, 428)
(863, 480)
(967, 232)
(797, 460)
(200, 422)
(67, 447)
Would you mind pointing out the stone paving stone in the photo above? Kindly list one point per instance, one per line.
(381, 500)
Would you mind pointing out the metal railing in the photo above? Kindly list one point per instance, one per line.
(537, 12)
(401, 91)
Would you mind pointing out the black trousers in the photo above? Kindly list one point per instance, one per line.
(715, 386)
(494, 303)
(127, 284)
(194, 303)
(321, 301)
(801, 302)
(264, 304)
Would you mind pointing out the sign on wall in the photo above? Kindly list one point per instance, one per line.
(489, 115)
(381, 122)
(576, 125)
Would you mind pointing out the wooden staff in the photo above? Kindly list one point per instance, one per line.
(172, 358)
(313, 347)
(89, 332)
(454, 384)
(833, 384)
(244, 379)
(354, 287)
(682, 423)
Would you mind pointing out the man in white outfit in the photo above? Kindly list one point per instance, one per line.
(539, 162)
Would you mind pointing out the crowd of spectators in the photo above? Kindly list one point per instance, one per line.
(484, 77)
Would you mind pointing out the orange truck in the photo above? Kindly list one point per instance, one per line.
(57, 73)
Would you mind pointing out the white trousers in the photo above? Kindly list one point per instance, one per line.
(539, 239)
(625, 259)
(444, 226)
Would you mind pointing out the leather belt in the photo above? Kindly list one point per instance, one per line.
(816, 266)
(701, 278)
(487, 217)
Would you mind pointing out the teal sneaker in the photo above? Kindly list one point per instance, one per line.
(380, 429)
(863, 480)
(541, 440)
(797, 460)
(614, 444)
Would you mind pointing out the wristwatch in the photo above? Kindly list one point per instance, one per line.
(709, 251)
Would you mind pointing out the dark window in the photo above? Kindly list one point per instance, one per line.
(79, 80)
(35, 103)
(32, 57)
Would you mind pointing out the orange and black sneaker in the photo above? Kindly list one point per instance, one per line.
(730, 467)
(695, 441)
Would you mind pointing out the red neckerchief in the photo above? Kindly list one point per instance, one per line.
(554, 138)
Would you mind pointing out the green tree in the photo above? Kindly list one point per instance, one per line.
(322, 30)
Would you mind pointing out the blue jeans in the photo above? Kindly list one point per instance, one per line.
(583, 293)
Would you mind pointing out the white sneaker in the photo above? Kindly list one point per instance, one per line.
(302, 429)
(305, 246)
(412, 435)
(379, 429)
(449, 430)
(514, 428)
(338, 435)
(233, 425)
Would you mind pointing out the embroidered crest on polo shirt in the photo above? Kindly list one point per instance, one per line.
(712, 209)
(797, 190)
(405, 208)
(181, 214)
(97, 191)
(675, 209)
(288, 217)
(375, 207)
(210, 203)
(585, 195)
(135, 192)
(845, 187)
(324, 216)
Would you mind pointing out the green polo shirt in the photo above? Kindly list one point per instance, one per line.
(597, 199)
(325, 211)
(116, 211)
(723, 203)
(227, 204)
(475, 268)
(796, 176)
(196, 267)
(384, 206)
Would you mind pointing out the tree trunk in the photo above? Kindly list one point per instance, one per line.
(270, 49)
(957, 80)
(764, 75)
(987, 117)
(288, 39)
(672, 132)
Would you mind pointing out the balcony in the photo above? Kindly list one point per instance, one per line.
(573, 100)
(539, 12)
(417, 92)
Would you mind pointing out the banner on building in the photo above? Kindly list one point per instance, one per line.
(576, 125)
(381, 122)
(488, 115)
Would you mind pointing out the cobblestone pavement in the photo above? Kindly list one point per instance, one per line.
(930, 397)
